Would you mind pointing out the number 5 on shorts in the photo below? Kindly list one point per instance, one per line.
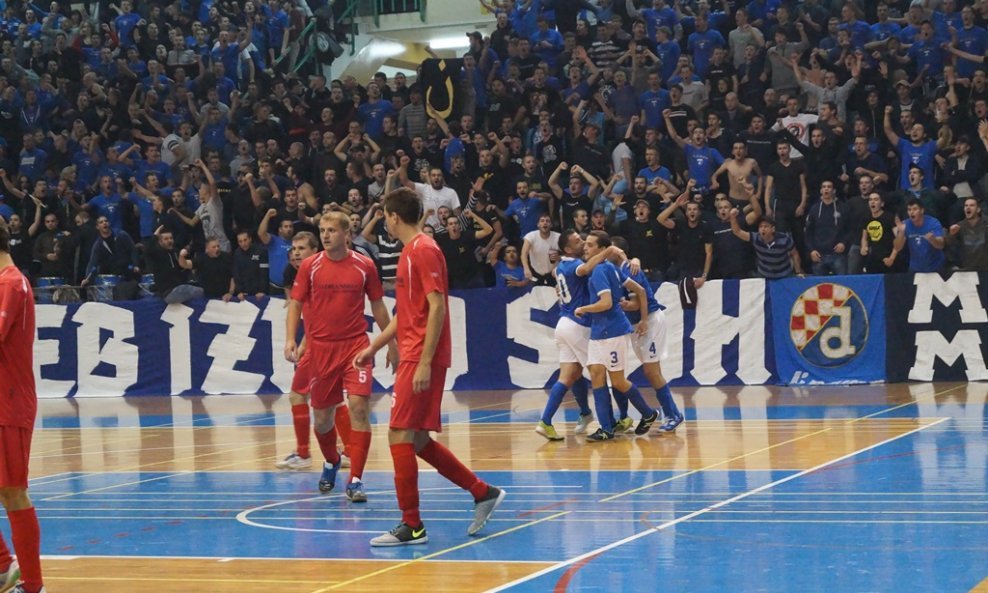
(362, 375)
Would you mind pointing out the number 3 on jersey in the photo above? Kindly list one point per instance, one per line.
(564, 294)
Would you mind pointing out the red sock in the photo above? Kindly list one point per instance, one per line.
(407, 482)
(5, 558)
(300, 418)
(327, 444)
(453, 469)
(359, 445)
(27, 544)
(343, 427)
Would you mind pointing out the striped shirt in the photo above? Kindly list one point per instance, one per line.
(773, 258)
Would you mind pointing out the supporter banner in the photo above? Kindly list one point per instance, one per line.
(503, 339)
(441, 82)
(829, 330)
(937, 327)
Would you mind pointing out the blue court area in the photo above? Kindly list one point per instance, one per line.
(906, 513)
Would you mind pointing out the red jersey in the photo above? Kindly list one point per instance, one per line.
(18, 398)
(421, 270)
(332, 295)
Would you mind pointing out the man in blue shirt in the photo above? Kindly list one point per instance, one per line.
(915, 150)
(32, 159)
(660, 15)
(924, 235)
(701, 160)
(971, 39)
(371, 114)
(702, 43)
(125, 23)
(572, 334)
(107, 204)
(526, 208)
(650, 347)
(653, 102)
(546, 43)
(609, 329)
(279, 248)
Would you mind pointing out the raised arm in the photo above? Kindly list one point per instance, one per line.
(671, 129)
(887, 123)
(554, 186)
(262, 229)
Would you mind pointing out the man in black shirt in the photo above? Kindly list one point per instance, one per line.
(786, 196)
(648, 240)
(250, 268)
(213, 269)
(171, 279)
(694, 239)
(459, 246)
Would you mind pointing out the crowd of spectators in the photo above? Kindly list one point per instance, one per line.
(722, 140)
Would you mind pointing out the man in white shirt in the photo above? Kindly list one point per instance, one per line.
(434, 195)
(797, 123)
(540, 253)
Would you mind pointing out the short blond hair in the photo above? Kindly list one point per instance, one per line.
(340, 219)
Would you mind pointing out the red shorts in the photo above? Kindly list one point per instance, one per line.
(15, 452)
(326, 371)
(417, 411)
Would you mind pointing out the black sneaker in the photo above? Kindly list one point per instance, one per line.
(600, 435)
(646, 422)
(402, 535)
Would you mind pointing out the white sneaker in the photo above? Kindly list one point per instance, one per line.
(583, 423)
(344, 460)
(10, 578)
(293, 462)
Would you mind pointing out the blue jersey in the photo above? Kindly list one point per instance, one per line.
(923, 256)
(613, 322)
(653, 305)
(109, 206)
(923, 155)
(572, 290)
(702, 162)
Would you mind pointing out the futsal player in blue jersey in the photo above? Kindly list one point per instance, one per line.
(650, 347)
(609, 330)
(572, 333)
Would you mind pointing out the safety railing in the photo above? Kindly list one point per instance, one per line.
(397, 7)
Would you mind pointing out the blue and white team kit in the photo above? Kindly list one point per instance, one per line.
(650, 347)
(572, 332)
(602, 338)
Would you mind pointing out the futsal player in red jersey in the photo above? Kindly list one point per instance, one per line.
(331, 286)
(304, 245)
(421, 324)
(18, 408)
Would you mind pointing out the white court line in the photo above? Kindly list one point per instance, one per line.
(267, 558)
(703, 511)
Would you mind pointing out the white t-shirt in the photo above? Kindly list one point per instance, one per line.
(799, 126)
(538, 254)
(171, 142)
(432, 199)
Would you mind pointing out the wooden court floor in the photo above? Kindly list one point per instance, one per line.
(875, 488)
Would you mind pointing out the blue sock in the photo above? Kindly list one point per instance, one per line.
(622, 403)
(555, 398)
(664, 396)
(602, 402)
(636, 399)
(581, 393)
